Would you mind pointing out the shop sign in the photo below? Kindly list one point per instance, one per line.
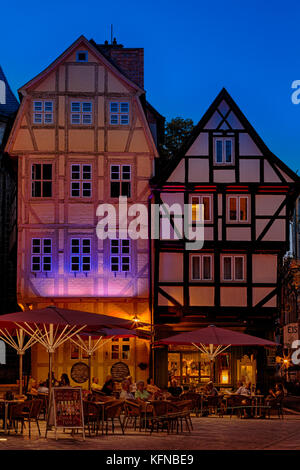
(290, 334)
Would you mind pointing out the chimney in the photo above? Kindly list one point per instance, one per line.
(130, 61)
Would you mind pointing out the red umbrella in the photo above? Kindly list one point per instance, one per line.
(52, 326)
(213, 340)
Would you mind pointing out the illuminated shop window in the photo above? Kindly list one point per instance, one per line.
(119, 113)
(120, 180)
(81, 112)
(81, 180)
(41, 255)
(80, 255)
(120, 256)
(42, 112)
(41, 180)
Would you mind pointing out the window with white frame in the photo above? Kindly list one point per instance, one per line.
(202, 267)
(196, 201)
(223, 150)
(81, 56)
(120, 180)
(233, 267)
(81, 112)
(41, 255)
(81, 180)
(119, 113)
(42, 112)
(237, 208)
(80, 255)
(120, 256)
(41, 180)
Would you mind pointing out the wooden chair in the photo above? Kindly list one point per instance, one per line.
(112, 411)
(27, 411)
(181, 411)
(274, 404)
(91, 416)
(133, 414)
(160, 417)
(196, 401)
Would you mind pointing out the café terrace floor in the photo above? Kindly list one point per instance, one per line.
(209, 433)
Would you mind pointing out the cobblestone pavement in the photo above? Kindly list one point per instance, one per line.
(211, 433)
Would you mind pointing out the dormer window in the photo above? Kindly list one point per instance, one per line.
(223, 151)
(81, 56)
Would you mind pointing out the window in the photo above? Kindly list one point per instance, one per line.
(43, 112)
(223, 150)
(81, 56)
(201, 268)
(81, 112)
(41, 255)
(80, 255)
(238, 209)
(206, 200)
(120, 256)
(119, 113)
(81, 180)
(41, 180)
(120, 180)
(233, 268)
(119, 350)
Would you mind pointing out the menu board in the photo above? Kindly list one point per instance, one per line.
(66, 409)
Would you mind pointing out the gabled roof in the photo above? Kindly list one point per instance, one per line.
(81, 40)
(223, 95)
(11, 104)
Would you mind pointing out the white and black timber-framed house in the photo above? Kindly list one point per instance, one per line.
(233, 281)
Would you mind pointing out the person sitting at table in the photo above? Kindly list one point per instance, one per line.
(125, 392)
(174, 389)
(42, 388)
(54, 381)
(32, 388)
(95, 384)
(275, 396)
(243, 389)
(108, 386)
(210, 390)
(153, 389)
(132, 385)
(64, 381)
(141, 393)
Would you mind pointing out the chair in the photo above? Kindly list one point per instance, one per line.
(45, 403)
(181, 411)
(133, 413)
(27, 411)
(113, 411)
(196, 401)
(274, 404)
(161, 418)
(91, 416)
(233, 403)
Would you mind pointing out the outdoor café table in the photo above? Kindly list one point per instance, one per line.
(7, 403)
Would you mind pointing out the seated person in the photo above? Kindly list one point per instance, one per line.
(42, 388)
(64, 381)
(142, 393)
(95, 384)
(210, 390)
(132, 385)
(108, 386)
(175, 390)
(32, 386)
(153, 389)
(241, 389)
(125, 392)
(275, 394)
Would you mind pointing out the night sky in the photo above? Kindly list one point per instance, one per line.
(192, 50)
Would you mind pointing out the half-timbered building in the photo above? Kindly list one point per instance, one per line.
(84, 136)
(247, 195)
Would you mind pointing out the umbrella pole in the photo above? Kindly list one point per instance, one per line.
(20, 353)
(212, 370)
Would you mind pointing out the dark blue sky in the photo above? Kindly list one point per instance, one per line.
(192, 49)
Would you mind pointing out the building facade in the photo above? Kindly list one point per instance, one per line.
(84, 136)
(247, 195)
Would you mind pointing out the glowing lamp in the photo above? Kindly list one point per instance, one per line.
(224, 377)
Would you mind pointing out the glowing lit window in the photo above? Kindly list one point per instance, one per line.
(41, 255)
(201, 268)
(81, 112)
(238, 210)
(41, 180)
(233, 268)
(119, 113)
(80, 255)
(120, 180)
(119, 350)
(43, 112)
(223, 150)
(120, 256)
(81, 180)
(206, 200)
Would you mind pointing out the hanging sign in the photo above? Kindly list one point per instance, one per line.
(290, 334)
(65, 409)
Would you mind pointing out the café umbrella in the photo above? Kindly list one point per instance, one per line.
(96, 341)
(52, 326)
(213, 341)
